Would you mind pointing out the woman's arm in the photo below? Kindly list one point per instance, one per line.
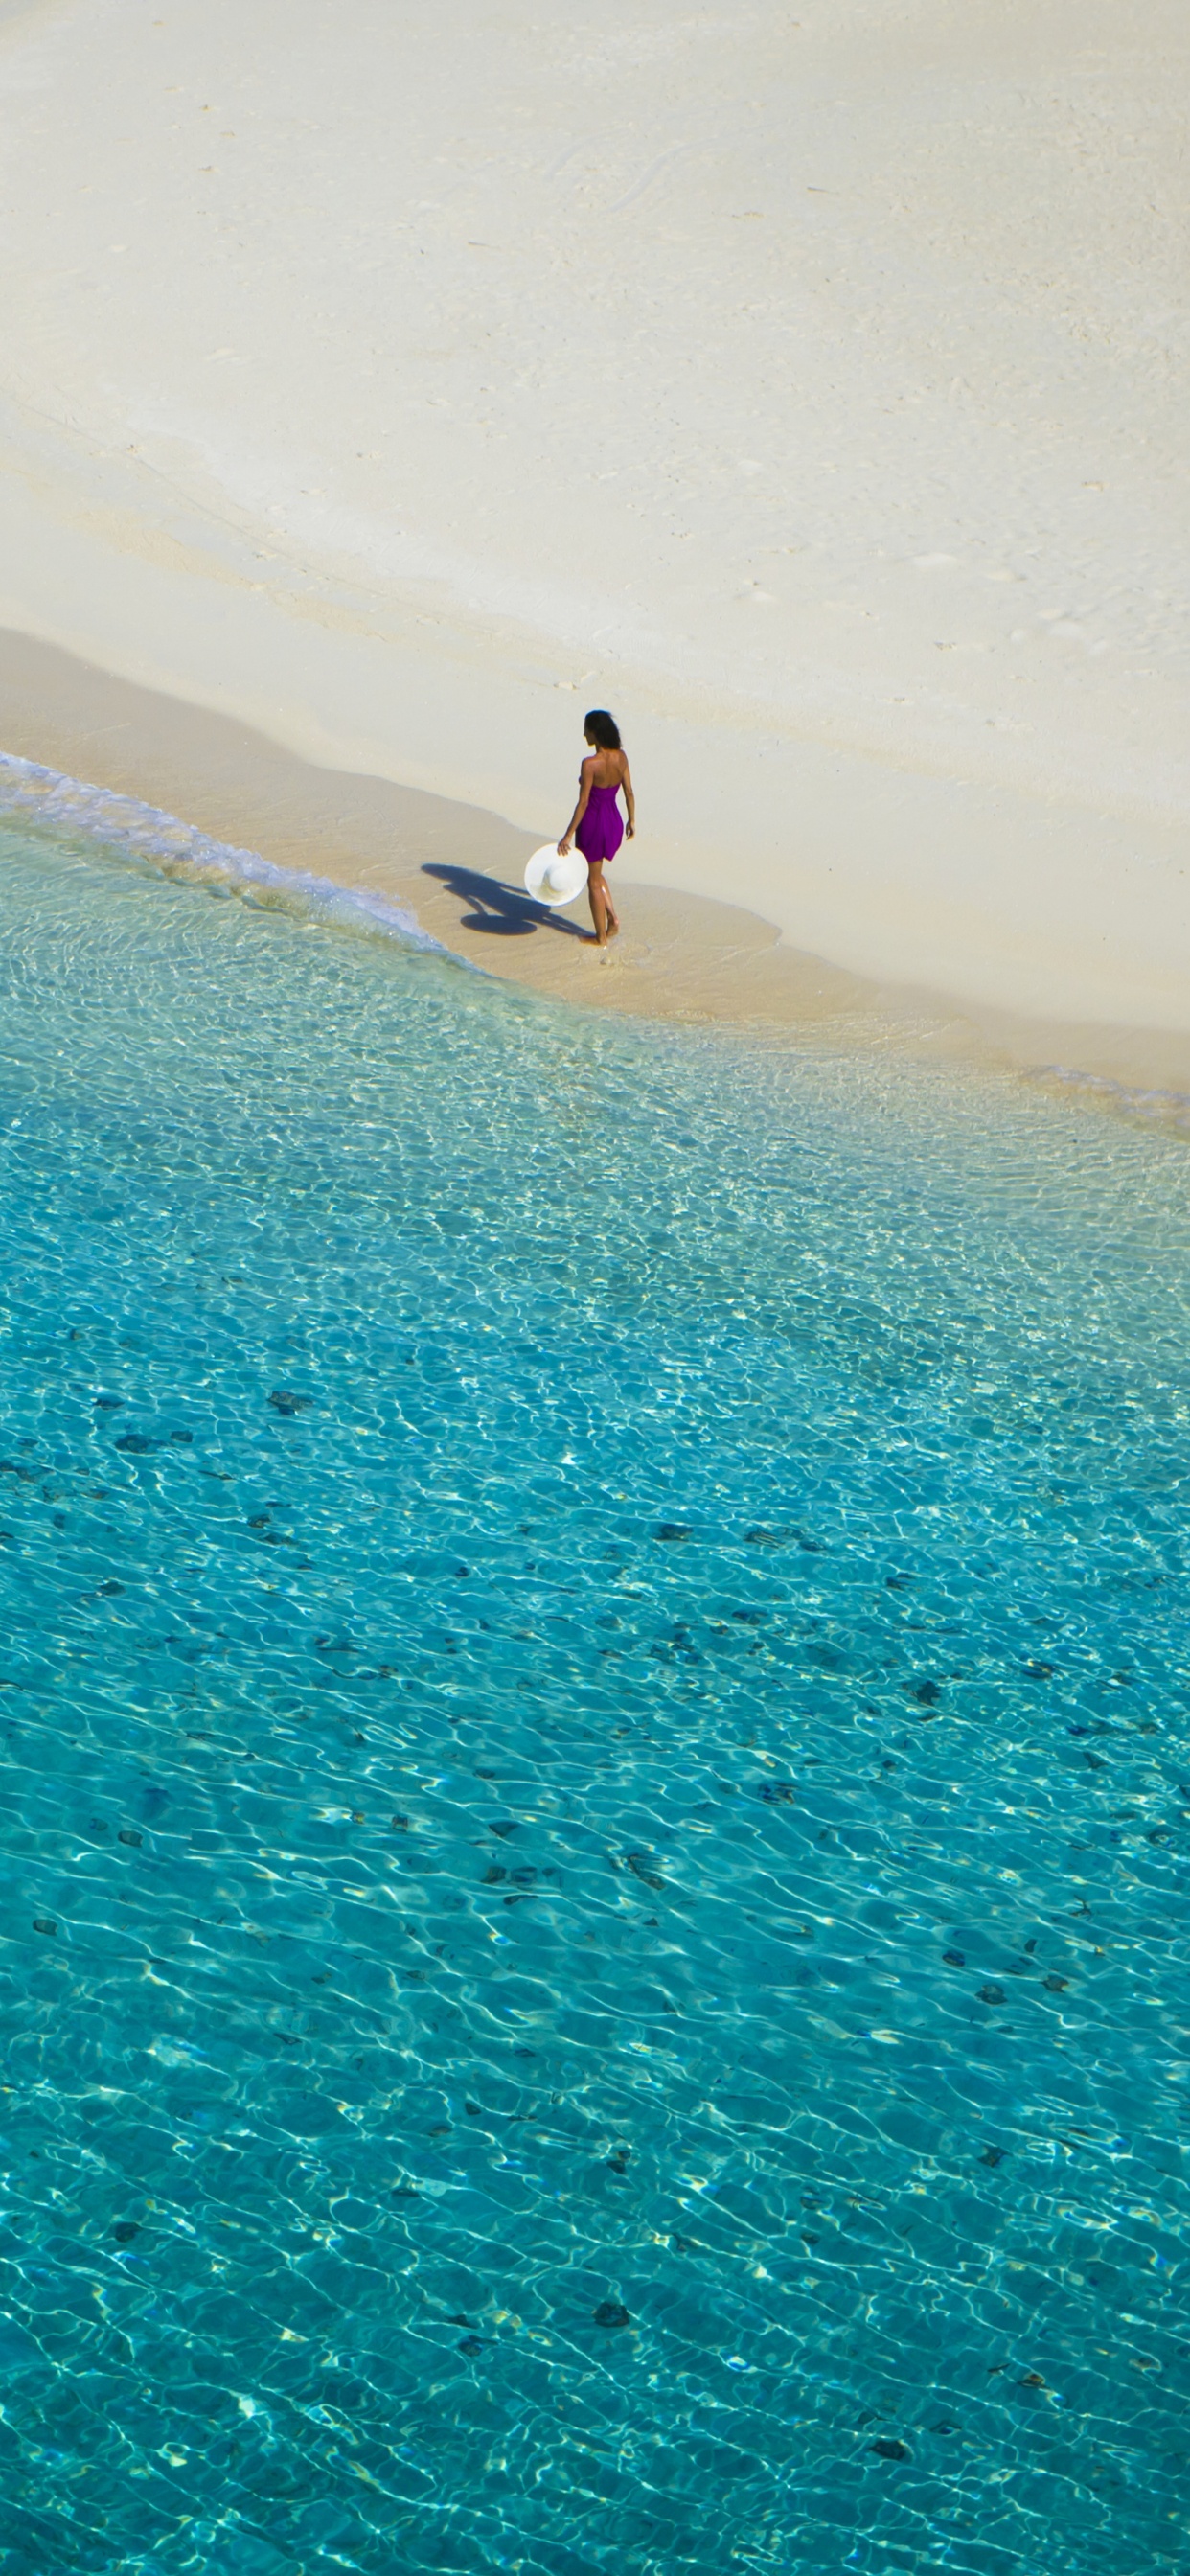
(584, 798)
(629, 799)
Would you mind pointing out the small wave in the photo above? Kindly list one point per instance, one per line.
(145, 831)
(1165, 1108)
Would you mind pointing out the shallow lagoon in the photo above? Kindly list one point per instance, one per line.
(594, 1711)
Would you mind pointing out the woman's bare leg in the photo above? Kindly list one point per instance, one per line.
(597, 898)
(603, 910)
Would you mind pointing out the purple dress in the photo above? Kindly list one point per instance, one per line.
(601, 831)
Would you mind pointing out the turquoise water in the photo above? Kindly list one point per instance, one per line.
(593, 1693)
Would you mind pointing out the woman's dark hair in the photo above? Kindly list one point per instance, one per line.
(602, 729)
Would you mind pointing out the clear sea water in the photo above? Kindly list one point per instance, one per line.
(593, 1699)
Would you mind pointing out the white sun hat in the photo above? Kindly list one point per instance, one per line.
(555, 880)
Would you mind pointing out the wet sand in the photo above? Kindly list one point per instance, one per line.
(459, 869)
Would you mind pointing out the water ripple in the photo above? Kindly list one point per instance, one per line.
(596, 1798)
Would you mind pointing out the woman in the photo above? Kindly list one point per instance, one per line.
(595, 823)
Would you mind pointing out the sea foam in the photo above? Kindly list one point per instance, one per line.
(146, 832)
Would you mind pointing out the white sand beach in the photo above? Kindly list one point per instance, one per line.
(805, 385)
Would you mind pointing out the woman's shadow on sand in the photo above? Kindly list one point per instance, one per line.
(502, 911)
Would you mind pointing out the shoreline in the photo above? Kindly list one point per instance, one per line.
(874, 538)
(457, 870)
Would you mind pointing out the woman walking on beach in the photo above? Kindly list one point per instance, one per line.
(595, 823)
